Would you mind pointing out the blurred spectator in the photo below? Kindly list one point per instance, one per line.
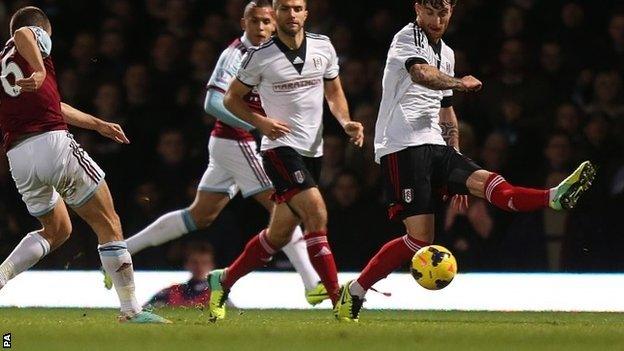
(172, 170)
(177, 19)
(556, 78)
(350, 218)
(165, 71)
(112, 51)
(558, 153)
(494, 153)
(83, 53)
(202, 58)
(616, 46)
(608, 96)
(571, 32)
(568, 119)
(333, 159)
(195, 292)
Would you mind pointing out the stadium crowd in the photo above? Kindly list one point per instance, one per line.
(553, 95)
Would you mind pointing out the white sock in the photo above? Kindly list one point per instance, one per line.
(297, 253)
(166, 228)
(28, 252)
(117, 262)
(356, 289)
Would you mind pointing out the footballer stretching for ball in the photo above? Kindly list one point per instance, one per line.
(49, 168)
(416, 142)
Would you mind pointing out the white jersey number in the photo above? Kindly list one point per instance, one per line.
(9, 68)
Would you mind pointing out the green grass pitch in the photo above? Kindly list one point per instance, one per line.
(97, 329)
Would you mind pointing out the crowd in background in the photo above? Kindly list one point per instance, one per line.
(553, 96)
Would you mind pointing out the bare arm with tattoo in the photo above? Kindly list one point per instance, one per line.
(431, 77)
(449, 125)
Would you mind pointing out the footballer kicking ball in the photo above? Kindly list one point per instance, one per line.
(433, 267)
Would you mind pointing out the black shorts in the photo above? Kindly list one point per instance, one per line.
(416, 178)
(290, 172)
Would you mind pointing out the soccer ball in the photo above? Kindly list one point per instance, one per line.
(433, 267)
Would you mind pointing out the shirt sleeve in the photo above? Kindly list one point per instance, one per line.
(225, 71)
(409, 48)
(333, 68)
(250, 71)
(43, 41)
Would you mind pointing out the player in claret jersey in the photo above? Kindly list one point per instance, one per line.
(49, 168)
(417, 143)
(293, 72)
(234, 164)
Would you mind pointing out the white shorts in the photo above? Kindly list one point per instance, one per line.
(233, 166)
(52, 165)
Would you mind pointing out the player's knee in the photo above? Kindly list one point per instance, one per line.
(203, 221)
(421, 234)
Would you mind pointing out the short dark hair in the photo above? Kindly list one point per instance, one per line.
(29, 16)
(257, 3)
(437, 4)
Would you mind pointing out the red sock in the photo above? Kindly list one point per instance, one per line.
(390, 257)
(258, 252)
(514, 198)
(323, 262)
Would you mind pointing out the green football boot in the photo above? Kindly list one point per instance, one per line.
(348, 306)
(218, 295)
(568, 192)
(144, 317)
(317, 295)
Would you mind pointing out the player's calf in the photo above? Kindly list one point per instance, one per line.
(57, 233)
(508, 197)
(496, 190)
(36, 245)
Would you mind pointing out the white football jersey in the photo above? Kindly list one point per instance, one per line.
(290, 84)
(409, 112)
(229, 63)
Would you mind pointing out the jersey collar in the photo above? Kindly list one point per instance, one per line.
(296, 57)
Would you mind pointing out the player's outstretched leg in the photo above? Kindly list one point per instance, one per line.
(495, 189)
(100, 214)
(173, 225)
(390, 257)
(35, 245)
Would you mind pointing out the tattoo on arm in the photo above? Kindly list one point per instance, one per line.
(432, 78)
(450, 133)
